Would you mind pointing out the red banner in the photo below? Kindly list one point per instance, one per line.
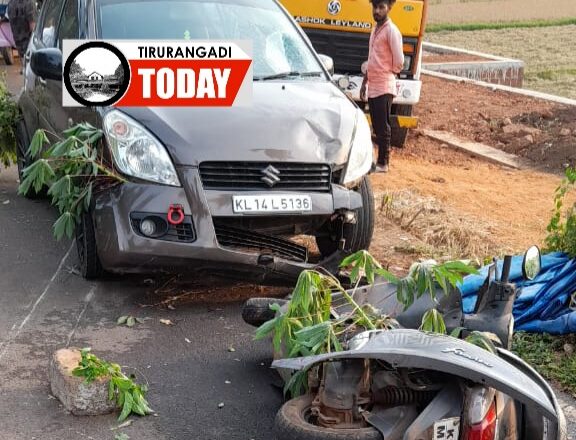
(184, 83)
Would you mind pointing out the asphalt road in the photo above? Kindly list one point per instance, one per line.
(45, 306)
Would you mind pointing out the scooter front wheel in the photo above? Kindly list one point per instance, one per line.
(293, 423)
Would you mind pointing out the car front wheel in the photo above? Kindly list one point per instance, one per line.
(358, 235)
(90, 266)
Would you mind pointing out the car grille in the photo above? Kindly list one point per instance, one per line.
(247, 240)
(265, 176)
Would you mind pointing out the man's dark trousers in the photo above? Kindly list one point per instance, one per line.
(380, 109)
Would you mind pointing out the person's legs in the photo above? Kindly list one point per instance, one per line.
(380, 109)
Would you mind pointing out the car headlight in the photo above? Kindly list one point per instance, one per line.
(361, 153)
(136, 151)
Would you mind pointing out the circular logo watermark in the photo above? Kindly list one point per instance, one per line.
(96, 74)
(334, 7)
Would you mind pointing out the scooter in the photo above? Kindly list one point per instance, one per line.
(407, 384)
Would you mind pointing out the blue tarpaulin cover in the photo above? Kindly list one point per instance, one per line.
(543, 304)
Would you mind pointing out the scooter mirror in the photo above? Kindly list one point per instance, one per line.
(532, 263)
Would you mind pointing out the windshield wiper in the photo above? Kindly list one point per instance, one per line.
(283, 75)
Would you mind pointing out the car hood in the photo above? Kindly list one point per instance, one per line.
(299, 121)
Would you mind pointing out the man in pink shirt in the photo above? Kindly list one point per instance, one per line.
(385, 61)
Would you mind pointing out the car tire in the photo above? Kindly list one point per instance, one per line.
(399, 135)
(256, 311)
(359, 235)
(90, 266)
(8, 55)
(291, 424)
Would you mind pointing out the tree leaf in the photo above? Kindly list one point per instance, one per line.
(110, 390)
(130, 322)
(37, 142)
(127, 407)
(265, 329)
(64, 226)
(122, 320)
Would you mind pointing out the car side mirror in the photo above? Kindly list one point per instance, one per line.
(47, 63)
(328, 63)
(532, 263)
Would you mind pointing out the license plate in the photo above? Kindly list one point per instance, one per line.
(271, 203)
(447, 429)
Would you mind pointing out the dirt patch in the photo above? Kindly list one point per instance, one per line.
(511, 208)
(538, 130)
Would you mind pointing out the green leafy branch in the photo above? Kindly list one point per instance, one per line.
(129, 395)
(433, 322)
(422, 277)
(562, 227)
(311, 323)
(8, 117)
(73, 168)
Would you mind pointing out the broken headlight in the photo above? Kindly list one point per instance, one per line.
(361, 154)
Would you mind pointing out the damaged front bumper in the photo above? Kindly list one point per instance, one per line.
(200, 243)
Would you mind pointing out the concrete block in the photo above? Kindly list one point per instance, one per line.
(79, 398)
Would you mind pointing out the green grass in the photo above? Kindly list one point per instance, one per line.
(547, 355)
(440, 27)
(550, 63)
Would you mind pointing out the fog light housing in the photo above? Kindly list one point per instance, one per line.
(148, 227)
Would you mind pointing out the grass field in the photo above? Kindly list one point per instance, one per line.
(484, 11)
(548, 52)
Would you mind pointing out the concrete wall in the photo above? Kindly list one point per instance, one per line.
(494, 70)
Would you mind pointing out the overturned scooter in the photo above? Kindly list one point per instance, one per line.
(404, 383)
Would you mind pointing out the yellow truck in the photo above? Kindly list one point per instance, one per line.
(341, 29)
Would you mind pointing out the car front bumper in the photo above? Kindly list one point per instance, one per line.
(123, 250)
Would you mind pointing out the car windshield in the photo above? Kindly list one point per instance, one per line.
(279, 51)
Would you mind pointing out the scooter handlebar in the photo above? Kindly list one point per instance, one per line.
(506, 268)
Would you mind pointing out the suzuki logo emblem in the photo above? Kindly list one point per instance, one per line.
(334, 7)
(271, 176)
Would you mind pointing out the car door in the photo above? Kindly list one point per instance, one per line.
(37, 87)
(53, 116)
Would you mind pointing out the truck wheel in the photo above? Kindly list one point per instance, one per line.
(399, 135)
(256, 311)
(292, 423)
(8, 55)
(90, 266)
(359, 235)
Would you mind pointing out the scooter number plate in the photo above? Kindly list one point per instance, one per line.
(447, 429)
